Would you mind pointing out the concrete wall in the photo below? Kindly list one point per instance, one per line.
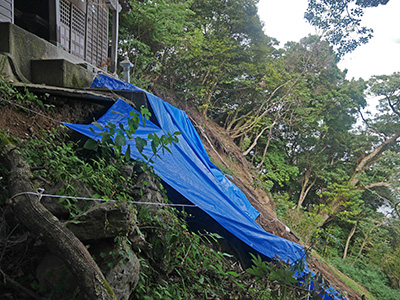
(22, 47)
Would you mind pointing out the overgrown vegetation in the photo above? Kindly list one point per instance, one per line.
(175, 262)
(369, 275)
(291, 111)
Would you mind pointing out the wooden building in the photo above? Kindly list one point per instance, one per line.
(6, 11)
(80, 27)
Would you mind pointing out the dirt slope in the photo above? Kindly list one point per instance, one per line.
(226, 154)
(219, 146)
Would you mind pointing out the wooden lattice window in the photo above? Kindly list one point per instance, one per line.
(78, 29)
(65, 24)
(84, 30)
(97, 33)
(7, 11)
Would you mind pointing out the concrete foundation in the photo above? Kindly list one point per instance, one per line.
(60, 72)
(33, 59)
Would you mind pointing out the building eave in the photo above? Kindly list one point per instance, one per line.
(119, 5)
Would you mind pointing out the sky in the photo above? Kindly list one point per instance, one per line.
(283, 20)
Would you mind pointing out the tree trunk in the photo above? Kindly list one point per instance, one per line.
(359, 252)
(372, 155)
(367, 235)
(346, 248)
(208, 99)
(31, 213)
(266, 147)
(247, 126)
(364, 163)
(304, 188)
(254, 142)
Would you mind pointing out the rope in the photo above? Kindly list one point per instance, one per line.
(40, 191)
(40, 194)
(28, 109)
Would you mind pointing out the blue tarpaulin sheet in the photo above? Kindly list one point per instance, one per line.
(189, 171)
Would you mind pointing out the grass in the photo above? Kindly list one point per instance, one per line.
(347, 280)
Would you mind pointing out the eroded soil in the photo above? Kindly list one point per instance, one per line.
(24, 124)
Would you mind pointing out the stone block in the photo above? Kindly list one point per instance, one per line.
(60, 72)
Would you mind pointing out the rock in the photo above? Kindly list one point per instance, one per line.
(119, 264)
(127, 171)
(53, 204)
(148, 189)
(124, 275)
(138, 242)
(104, 220)
(57, 208)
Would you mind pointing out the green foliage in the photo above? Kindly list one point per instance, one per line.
(260, 269)
(114, 139)
(346, 195)
(26, 98)
(277, 170)
(55, 157)
(292, 105)
(370, 276)
(181, 264)
(340, 22)
(303, 223)
(389, 262)
(386, 88)
(281, 283)
(153, 32)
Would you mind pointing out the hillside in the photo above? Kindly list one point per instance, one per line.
(283, 122)
(21, 124)
(227, 155)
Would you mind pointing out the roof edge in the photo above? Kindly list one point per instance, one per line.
(119, 5)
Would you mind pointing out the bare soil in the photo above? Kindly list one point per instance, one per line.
(224, 152)
(219, 146)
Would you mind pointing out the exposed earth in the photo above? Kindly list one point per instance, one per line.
(220, 147)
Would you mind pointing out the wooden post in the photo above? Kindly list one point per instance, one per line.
(54, 21)
(114, 36)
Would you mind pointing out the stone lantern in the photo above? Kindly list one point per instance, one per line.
(126, 65)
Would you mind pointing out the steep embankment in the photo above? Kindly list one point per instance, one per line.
(219, 146)
(229, 158)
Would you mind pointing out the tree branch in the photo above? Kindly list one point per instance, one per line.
(374, 153)
(370, 126)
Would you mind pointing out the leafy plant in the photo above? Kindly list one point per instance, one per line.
(26, 98)
(114, 138)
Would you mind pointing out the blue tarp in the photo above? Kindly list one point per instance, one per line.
(189, 171)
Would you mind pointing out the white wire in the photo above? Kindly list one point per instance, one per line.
(40, 191)
(97, 199)
(28, 109)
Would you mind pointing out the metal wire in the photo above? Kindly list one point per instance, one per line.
(40, 194)
(28, 109)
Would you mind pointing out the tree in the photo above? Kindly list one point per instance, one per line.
(306, 120)
(228, 58)
(340, 22)
(151, 34)
(377, 165)
(40, 221)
